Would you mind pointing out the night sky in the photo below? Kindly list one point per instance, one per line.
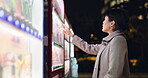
(85, 17)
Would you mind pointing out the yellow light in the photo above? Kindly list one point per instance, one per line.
(91, 36)
(140, 17)
(146, 5)
(80, 59)
(131, 60)
(91, 58)
(134, 64)
(95, 38)
(121, 1)
(87, 58)
(135, 61)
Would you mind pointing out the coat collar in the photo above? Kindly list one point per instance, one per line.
(110, 36)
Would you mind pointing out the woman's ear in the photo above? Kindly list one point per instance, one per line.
(112, 23)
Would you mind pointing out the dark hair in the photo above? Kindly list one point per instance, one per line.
(120, 17)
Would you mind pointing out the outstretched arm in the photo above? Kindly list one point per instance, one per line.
(83, 45)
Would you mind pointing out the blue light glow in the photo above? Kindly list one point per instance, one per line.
(2, 13)
(27, 29)
(23, 26)
(17, 23)
(41, 38)
(36, 34)
(10, 19)
(31, 31)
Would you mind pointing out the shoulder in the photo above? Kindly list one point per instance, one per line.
(118, 40)
(118, 45)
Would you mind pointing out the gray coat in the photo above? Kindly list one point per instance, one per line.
(112, 55)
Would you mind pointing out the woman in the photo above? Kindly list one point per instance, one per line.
(112, 53)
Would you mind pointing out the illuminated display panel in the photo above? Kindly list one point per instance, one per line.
(59, 6)
(67, 44)
(67, 36)
(19, 8)
(15, 57)
(57, 42)
(37, 16)
(36, 45)
(18, 53)
(66, 50)
(29, 12)
(21, 53)
(67, 67)
(71, 46)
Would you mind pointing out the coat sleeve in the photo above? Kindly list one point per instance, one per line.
(117, 53)
(83, 45)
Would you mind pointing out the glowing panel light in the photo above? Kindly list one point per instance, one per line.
(23, 27)
(36, 34)
(17, 23)
(31, 32)
(41, 38)
(2, 14)
(27, 29)
(10, 19)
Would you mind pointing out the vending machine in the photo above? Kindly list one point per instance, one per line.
(56, 39)
(61, 50)
(21, 39)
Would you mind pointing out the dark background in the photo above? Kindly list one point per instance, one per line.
(85, 17)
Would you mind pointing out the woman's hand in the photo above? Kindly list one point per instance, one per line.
(67, 31)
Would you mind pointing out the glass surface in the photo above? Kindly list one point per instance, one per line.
(57, 42)
(21, 54)
(67, 66)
